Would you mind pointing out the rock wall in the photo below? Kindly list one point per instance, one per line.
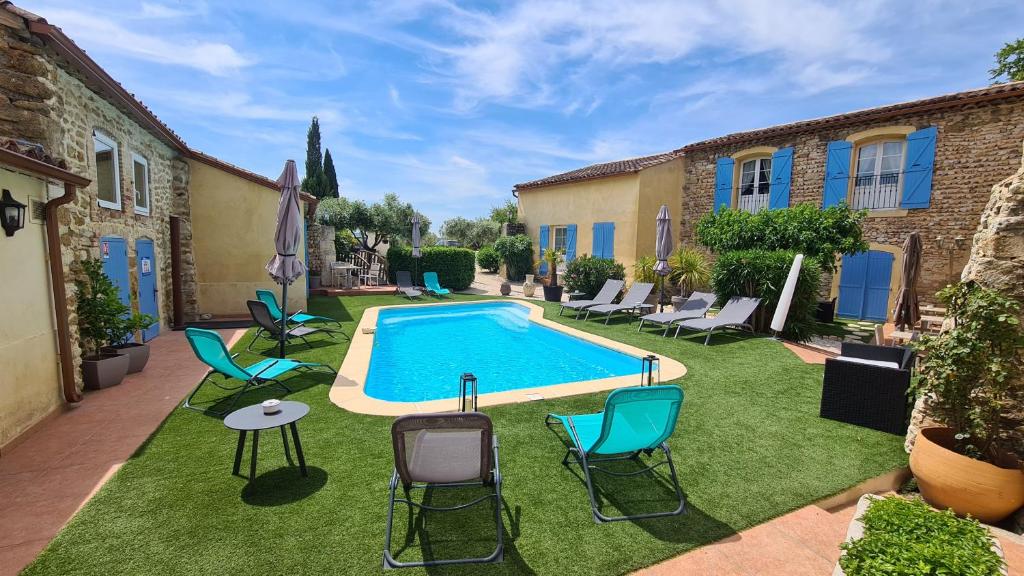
(976, 146)
(44, 102)
(996, 260)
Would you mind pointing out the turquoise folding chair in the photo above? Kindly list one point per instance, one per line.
(270, 299)
(211, 350)
(635, 420)
(433, 286)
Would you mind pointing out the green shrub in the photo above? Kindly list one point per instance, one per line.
(517, 254)
(455, 267)
(587, 274)
(804, 228)
(643, 269)
(972, 371)
(908, 538)
(344, 244)
(488, 258)
(690, 270)
(762, 274)
(103, 320)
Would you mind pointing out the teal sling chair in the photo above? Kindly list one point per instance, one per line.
(635, 420)
(210, 349)
(300, 317)
(433, 285)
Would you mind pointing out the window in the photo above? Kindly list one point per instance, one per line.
(108, 185)
(755, 180)
(879, 177)
(560, 238)
(140, 183)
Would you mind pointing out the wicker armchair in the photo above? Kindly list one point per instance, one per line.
(869, 394)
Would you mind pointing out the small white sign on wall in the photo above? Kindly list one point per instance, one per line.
(147, 265)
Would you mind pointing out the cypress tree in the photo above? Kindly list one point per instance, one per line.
(331, 175)
(314, 181)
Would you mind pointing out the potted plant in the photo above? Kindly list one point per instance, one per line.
(689, 271)
(314, 279)
(972, 378)
(138, 353)
(100, 315)
(552, 291)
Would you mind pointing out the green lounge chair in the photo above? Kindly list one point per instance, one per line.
(635, 420)
(210, 349)
(270, 299)
(433, 286)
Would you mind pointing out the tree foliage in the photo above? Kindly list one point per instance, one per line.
(507, 213)
(103, 320)
(389, 220)
(315, 181)
(488, 258)
(517, 254)
(1009, 63)
(471, 233)
(331, 175)
(817, 233)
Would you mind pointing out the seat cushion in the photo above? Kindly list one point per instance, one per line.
(440, 456)
(881, 363)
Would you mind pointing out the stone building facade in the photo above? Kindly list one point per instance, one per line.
(975, 140)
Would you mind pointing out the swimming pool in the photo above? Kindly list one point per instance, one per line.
(419, 352)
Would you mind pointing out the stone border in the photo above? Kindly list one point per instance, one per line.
(348, 389)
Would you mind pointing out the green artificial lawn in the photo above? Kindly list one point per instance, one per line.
(749, 447)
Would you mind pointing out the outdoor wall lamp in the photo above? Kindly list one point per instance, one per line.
(13, 213)
(955, 243)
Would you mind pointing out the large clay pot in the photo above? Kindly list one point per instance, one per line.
(138, 355)
(506, 288)
(104, 370)
(968, 486)
(528, 286)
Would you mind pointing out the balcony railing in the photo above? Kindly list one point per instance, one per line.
(751, 200)
(877, 192)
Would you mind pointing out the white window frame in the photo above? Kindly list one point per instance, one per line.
(149, 196)
(860, 199)
(107, 140)
(554, 237)
(756, 201)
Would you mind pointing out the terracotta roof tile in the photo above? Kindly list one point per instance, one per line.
(627, 166)
(958, 99)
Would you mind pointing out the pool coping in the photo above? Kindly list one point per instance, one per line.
(348, 390)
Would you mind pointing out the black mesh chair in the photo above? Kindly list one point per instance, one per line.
(454, 450)
(271, 329)
(869, 386)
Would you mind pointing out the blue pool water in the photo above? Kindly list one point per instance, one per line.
(420, 352)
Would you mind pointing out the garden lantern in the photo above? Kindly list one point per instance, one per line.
(648, 370)
(467, 381)
(13, 213)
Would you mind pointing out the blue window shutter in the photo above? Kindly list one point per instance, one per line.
(597, 249)
(782, 175)
(609, 240)
(917, 173)
(723, 183)
(837, 173)
(542, 269)
(570, 242)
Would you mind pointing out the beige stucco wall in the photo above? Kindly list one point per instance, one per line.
(233, 222)
(29, 378)
(583, 203)
(659, 185)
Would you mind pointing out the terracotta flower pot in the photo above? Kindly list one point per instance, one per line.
(138, 355)
(104, 370)
(968, 486)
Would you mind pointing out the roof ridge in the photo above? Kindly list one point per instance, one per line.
(591, 171)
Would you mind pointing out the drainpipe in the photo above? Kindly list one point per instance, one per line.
(177, 295)
(60, 297)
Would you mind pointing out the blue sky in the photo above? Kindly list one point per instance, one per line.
(450, 104)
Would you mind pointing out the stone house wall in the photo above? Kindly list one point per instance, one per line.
(975, 148)
(42, 102)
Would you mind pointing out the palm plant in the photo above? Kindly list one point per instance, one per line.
(690, 269)
(552, 257)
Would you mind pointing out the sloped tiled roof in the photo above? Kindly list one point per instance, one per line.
(959, 99)
(628, 166)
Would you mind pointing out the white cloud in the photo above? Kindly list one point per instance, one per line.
(396, 97)
(212, 57)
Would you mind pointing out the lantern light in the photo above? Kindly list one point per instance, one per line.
(12, 213)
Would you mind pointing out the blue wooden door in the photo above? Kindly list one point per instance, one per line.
(864, 285)
(114, 252)
(145, 262)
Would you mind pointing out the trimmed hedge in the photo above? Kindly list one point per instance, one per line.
(488, 258)
(762, 274)
(517, 254)
(455, 267)
(587, 274)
